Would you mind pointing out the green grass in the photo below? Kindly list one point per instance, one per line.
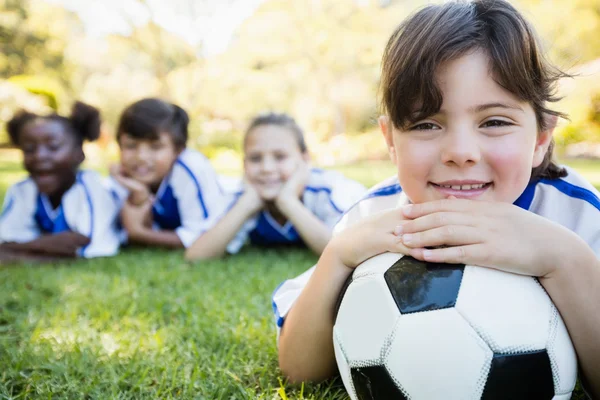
(146, 324)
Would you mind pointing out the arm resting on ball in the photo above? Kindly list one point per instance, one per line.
(306, 340)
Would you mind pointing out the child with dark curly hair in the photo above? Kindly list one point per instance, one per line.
(59, 211)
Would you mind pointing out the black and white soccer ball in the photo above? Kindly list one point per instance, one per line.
(407, 329)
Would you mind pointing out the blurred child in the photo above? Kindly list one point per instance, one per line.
(283, 201)
(171, 192)
(465, 92)
(58, 211)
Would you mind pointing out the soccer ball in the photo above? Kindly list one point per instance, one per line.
(406, 329)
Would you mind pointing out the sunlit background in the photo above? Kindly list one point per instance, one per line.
(226, 60)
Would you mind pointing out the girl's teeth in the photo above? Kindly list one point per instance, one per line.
(464, 187)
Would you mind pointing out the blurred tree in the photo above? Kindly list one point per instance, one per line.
(33, 38)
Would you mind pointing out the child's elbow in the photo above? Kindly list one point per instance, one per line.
(199, 254)
(292, 372)
(297, 370)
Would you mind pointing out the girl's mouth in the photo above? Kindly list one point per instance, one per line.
(462, 189)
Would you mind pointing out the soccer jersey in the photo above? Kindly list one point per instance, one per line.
(328, 194)
(188, 199)
(86, 208)
(571, 202)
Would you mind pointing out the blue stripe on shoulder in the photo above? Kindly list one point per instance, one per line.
(574, 191)
(189, 171)
(326, 190)
(91, 205)
(9, 205)
(524, 201)
(385, 191)
(278, 318)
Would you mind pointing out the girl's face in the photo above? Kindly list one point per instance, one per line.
(147, 161)
(272, 155)
(481, 145)
(51, 155)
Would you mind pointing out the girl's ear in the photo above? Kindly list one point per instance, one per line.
(544, 139)
(306, 156)
(388, 133)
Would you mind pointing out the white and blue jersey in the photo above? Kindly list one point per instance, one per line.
(188, 199)
(328, 194)
(86, 208)
(571, 202)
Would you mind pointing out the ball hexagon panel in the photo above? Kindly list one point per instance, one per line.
(438, 347)
(361, 328)
(510, 312)
(562, 356)
(520, 377)
(376, 265)
(420, 286)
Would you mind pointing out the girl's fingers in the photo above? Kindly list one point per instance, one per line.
(456, 205)
(435, 220)
(473, 254)
(448, 235)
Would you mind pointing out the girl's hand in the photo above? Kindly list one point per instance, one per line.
(496, 235)
(139, 192)
(294, 187)
(369, 237)
(136, 218)
(251, 198)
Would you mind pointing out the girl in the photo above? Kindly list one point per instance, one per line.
(465, 91)
(283, 201)
(168, 193)
(58, 211)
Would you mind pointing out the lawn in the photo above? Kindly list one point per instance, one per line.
(147, 324)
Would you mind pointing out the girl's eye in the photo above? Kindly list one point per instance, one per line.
(254, 159)
(496, 123)
(156, 145)
(280, 157)
(54, 146)
(28, 148)
(425, 126)
(128, 145)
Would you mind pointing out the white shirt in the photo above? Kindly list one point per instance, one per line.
(328, 194)
(188, 199)
(571, 202)
(86, 208)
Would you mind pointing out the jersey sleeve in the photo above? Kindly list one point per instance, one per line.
(98, 218)
(335, 195)
(17, 223)
(202, 201)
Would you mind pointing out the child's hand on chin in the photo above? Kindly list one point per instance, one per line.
(293, 188)
(137, 190)
(489, 234)
(251, 199)
(136, 218)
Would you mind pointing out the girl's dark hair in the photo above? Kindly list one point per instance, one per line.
(279, 119)
(441, 33)
(148, 118)
(84, 122)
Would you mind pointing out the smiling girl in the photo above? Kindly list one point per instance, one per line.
(59, 210)
(465, 93)
(284, 201)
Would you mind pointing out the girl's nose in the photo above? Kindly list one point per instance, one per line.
(461, 149)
